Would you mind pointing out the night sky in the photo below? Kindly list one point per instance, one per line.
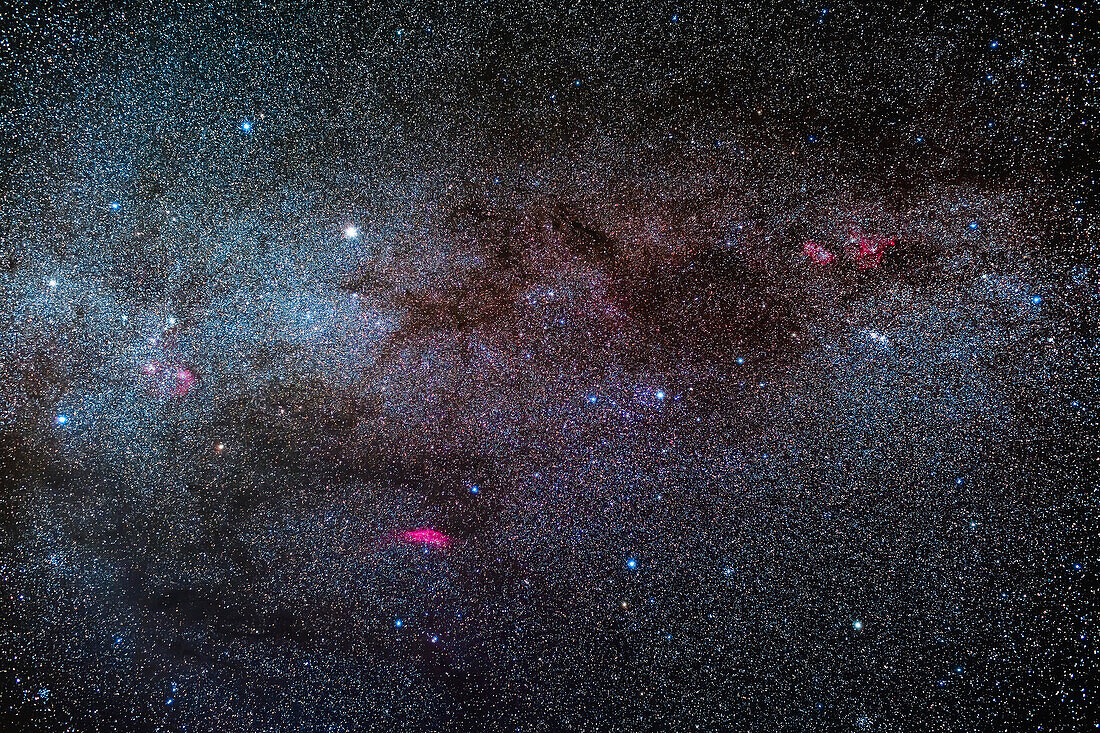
(548, 367)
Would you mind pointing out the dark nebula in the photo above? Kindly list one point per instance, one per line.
(548, 367)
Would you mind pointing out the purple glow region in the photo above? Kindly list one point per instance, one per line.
(426, 537)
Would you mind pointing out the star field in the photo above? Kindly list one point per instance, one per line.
(548, 367)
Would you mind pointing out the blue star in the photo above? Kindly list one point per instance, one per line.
(474, 489)
(994, 44)
(246, 126)
(398, 623)
(973, 225)
(592, 399)
(857, 625)
(632, 563)
(660, 394)
(115, 206)
(62, 419)
(1036, 299)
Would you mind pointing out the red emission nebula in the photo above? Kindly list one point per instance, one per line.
(427, 537)
(866, 250)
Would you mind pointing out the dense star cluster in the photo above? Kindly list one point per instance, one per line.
(548, 367)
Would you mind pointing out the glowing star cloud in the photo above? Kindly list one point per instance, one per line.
(817, 253)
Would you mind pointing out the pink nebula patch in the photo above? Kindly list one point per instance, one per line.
(817, 253)
(185, 380)
(164, 380)
(427, 537)
(868, 251)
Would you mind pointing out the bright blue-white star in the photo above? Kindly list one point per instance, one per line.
(62, 419)
(246, 126)
(632, 563)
